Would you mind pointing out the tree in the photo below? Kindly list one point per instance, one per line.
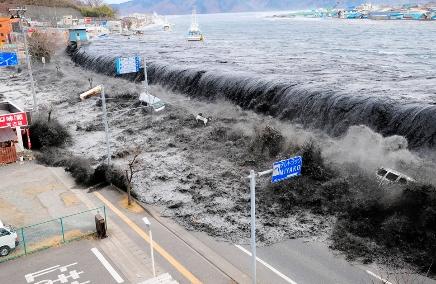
(94, 3)
(132, 169)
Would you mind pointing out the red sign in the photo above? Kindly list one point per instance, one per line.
(13, 119)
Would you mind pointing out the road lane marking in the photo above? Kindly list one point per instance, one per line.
(107, 265)
(60, 275)
(177, 265)
(284, 277)
(384, 281)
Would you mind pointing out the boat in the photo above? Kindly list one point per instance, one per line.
(194, 33)
(166, 25)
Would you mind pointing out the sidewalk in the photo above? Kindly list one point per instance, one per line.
(132, 260)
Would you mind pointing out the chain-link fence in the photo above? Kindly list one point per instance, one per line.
(54, 232)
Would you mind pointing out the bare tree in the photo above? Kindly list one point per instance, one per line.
(94, 3)
(132, 169)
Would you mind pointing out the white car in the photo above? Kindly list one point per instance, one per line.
(8, 239)
(152, 101)
(386, 175)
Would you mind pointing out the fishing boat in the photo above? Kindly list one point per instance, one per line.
(166, 25)
(194, 33)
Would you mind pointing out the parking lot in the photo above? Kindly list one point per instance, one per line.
(75, 263)
(31, 193)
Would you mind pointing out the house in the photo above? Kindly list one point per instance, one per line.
(114, 26)
(5, 30)
(15, 118)
(78, 35)
(8, 153)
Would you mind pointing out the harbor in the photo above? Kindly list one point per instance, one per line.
(425, 12)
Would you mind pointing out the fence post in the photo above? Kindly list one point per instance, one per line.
(24, 240)
(62, 226)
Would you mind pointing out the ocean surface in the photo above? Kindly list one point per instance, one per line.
(324, 73)
(356, 57)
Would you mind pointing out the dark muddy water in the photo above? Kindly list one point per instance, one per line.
(326, 73)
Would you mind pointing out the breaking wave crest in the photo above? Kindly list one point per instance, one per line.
(323, 109)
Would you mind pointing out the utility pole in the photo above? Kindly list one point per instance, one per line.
(20, 13)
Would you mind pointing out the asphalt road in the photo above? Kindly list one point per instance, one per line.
(71, 262)
(291, 261)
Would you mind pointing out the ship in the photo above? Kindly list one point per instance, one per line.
(194, 33)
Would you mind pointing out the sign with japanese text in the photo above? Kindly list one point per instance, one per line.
(13, 119)
(8, 59)
(124, 65)
(287, 168)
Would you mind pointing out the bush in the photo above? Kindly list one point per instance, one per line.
(80, 168)
(44, 133)
(111, 175)
(267, 142)
(41, 45)
(99, 11)
(313, 163)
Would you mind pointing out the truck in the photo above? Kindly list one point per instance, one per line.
(8, 239)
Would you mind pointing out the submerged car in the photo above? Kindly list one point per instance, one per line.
(386, 175)
(154, 102)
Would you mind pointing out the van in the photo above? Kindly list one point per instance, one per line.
(8, 239)
(386, 175)
(154, 102)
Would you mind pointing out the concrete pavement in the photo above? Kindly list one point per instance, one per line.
(71, 262)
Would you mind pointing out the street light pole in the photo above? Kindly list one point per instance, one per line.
(106, 125)
(144, 64)
(148, 225)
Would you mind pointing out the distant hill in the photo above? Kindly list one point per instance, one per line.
(45, 3)
(168, 7)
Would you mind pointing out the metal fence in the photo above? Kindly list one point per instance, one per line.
(55, 232)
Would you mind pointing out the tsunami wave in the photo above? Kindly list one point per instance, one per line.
(322, 109)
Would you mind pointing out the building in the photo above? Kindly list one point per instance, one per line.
(14, 124)
(115, 26)
(8, 153)
(78, 35)
(5, 30)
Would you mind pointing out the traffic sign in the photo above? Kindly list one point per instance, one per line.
(287, 168)
(124, 65)
(8, 59)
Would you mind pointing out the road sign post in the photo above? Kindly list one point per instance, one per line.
(281, 170)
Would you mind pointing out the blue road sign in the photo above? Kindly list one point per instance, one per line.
(124, 65)
(287, 168)
(8, 59)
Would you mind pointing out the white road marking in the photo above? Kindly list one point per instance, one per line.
(107, 265)
(284, 277)
(31, 276)
(378, 277)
